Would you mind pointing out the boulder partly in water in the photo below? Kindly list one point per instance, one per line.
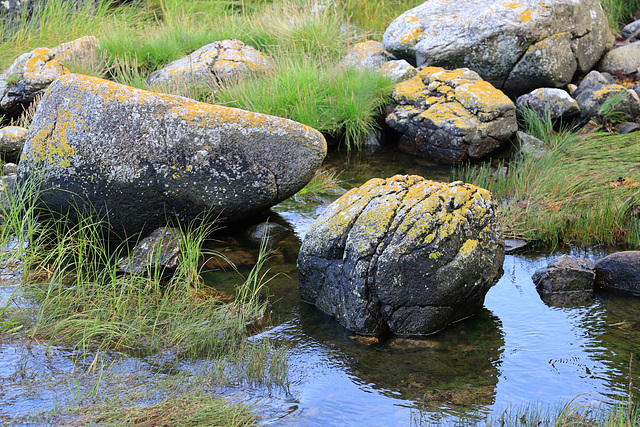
(403, 254)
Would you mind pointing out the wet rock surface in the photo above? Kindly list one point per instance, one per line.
(566, 279)
(31, 73)
(144, 158)
(11, 142)
(619, 271)
(216, 62)
(451, 116)
(405, 255)
(516, 46)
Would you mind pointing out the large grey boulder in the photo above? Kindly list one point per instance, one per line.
(451, 116)
(31, 73)
(555, 102)
(624, 59)
(566, 279)
(403, 254)
(619, 271)
(219, 61)
(11, 142)
(516, 46)
(144, 157)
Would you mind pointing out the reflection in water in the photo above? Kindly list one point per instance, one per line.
(518, 350)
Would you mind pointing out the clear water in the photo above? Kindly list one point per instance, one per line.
(516, 351)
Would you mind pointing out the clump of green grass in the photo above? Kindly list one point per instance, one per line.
(338, 102)
(571, 194)
(374, 17)
(620, 11)
(191, 409)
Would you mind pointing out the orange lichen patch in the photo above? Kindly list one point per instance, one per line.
(368, 48)
(450, 114)
(624, 182)
(410, 91)
(482, 99)
(410, 18)
(412, 35)
(512, 5)
(51, 144)
(468, 247)
(525, 15)
(13, 133)
(427, 72)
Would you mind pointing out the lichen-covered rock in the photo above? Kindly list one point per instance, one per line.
(370, 54)
(399, 70)
(216, 62)
(555, 102)
(11, 142)
(515, 45)
(34, 71)
(596, 88)
(619, 271)
(624, 59)
(451, 116)
(405, 255)
(161, 250)
(566, 279)
(143, 157)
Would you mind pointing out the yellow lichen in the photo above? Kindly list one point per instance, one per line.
(525, 16)
(468, 247)
(412, 35)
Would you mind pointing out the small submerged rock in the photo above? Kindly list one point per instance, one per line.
(405, 255)
(565, 279)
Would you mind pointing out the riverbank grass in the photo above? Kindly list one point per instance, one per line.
(585, 190)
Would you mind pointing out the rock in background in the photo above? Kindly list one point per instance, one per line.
(216, 62)
(11, 142)
(144, 157)
(31, 73)
(405, 254)
(596, 88)
(516, 46)
(555, 102)
(451, 116)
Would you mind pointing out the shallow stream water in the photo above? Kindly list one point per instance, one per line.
(516, 351)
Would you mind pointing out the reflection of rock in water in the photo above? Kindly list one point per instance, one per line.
(457, 367)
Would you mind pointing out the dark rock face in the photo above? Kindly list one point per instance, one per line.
(451, 116)
(619, 271)
(566, 279)
(405, 255)
(161, 248)
(143, 158)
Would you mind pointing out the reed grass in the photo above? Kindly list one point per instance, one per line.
(620, 11)
(584, 191)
